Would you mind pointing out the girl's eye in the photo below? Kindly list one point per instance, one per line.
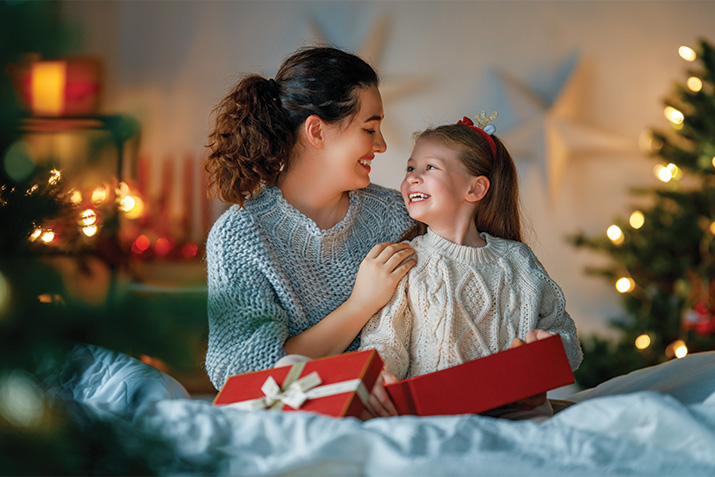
(430, 166)
(410, 168)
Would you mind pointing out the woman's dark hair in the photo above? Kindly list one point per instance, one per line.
(498, 211)
(256, 123)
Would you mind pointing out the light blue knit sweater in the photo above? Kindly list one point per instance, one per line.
(272, 273)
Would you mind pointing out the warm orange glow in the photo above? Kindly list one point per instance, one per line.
(189, 250)
(643, 341)
(48, 80)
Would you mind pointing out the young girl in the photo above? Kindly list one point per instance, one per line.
(286, 273)
(476, 288)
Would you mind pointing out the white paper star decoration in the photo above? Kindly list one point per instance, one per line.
(550, 135)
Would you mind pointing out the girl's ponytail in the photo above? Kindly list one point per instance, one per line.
(251, 141)
(498, 212)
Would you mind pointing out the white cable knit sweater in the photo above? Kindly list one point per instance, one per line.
(461, 303)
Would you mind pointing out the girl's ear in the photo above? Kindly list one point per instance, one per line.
(477, 189)
(314, 130)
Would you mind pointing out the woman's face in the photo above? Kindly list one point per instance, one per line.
(351, 146)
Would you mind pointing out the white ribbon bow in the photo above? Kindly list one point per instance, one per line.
(296, 391)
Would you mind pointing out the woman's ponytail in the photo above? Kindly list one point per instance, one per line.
(251, 141)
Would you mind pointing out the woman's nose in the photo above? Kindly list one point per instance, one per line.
(380, 145)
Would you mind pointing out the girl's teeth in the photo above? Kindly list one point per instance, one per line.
(365, 163)
(416, 197)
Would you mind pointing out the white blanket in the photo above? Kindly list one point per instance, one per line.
(658, 421)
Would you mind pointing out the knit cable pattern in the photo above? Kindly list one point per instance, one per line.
(460, 303)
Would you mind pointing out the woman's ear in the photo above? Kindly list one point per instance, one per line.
(477, 189)
(314, 131)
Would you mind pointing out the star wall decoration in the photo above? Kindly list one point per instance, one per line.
(391, 88)
(551, 134)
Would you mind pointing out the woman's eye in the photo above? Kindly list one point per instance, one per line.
(370, 131)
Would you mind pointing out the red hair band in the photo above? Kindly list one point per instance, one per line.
(468, 122)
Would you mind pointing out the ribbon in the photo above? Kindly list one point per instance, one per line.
(295, 392)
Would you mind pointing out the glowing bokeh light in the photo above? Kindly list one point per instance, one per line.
(75, 197)
(141, 244)
(89, 230)
(643, 341)
(163, 246)
(663, 173)
(99, 195)
(615, 234)
(694, 84)
(55, 177)
(21, 401)
(88, 217)
(48, 236)
(625, 285)
(637, 219)
(687, 53)
(673, 115)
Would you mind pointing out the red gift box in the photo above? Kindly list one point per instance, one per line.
(486, 383)
(335, 386)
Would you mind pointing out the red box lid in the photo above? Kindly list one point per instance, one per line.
(486, 383)
(363, 365)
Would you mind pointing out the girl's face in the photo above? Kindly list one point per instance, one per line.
(436, 186)
(352, 146)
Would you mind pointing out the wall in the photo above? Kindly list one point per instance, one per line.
(578, 81)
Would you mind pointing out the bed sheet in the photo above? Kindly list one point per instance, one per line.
(657, 421)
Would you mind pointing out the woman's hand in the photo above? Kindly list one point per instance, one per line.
(379, 273)
(379, 403)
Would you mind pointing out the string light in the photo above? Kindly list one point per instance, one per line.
(141, 244)
(89, 230)
(676, 349)
(48, 236)
(55, 177)
(687, 53)
(625, 285)
(713, 161)
(673, 115)
(712, 228)
(637, 219)
(694, 84)
(662, 173)
(99, 195)
(35, 234)
(75, 197)
(675, 171)
(643, 341)
(88, 217)
(615, 233)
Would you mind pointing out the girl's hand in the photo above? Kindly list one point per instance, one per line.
(379, 403)
(378, 275)
(538, 399)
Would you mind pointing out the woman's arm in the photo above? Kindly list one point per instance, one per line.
(378, 276)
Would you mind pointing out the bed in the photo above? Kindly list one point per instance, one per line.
(655, 421)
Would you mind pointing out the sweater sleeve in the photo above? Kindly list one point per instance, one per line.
(553, 316)
(389, 332)
(247, 326)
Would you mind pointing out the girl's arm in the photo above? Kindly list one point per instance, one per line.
(378, 276)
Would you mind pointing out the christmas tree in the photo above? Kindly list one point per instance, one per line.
(53, 297)
(661, 256)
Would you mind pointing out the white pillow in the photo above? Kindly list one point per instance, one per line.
(690, 380)
(114, 382)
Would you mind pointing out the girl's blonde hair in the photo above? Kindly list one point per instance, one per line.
(498, 212)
